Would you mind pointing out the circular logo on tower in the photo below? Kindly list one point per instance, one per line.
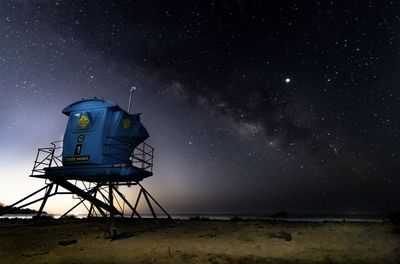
(81, 138)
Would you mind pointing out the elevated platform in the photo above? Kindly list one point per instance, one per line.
(96, 173)
(48, 165)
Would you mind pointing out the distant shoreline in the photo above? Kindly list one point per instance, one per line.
(238, 217)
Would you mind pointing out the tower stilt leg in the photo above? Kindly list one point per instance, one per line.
(91, 205)
(110, 198)
(149, 204)
(137, 202)
(155, 201)
(11, 207)
(46, 196)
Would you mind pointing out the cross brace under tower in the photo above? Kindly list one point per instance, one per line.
(100, 195)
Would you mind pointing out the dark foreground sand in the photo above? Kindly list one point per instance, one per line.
(28, 241)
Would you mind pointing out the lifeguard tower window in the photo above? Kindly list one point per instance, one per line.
(85, 120)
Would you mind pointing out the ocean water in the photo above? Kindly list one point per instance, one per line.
(289, 218)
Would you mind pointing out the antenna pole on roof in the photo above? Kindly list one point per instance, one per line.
(133, 88)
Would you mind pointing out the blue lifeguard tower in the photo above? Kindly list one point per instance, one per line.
(98, 144)
(103, 148)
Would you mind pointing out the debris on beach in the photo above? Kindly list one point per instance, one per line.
(67, 242)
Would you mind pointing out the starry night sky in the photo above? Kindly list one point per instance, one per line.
(252, 106)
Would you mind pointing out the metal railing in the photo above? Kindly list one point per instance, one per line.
(48, 157)
(141, 157)
(113, 145)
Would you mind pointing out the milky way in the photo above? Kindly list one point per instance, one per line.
(251, 106)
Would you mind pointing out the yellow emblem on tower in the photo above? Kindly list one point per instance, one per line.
(83, 121)
(126, 122)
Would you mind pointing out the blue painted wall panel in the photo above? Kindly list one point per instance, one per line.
(100, 132)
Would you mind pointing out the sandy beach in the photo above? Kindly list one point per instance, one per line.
(201, 241)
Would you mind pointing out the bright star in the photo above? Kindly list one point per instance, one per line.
(287, 80)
